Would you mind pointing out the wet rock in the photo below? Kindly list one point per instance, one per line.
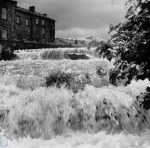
(76, 56)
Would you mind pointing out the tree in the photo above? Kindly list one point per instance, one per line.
(132, 39)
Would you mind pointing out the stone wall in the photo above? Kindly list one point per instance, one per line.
(21, 28)
(34, 31)
(7, 24)
(21, 33)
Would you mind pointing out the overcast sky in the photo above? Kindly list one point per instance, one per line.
(80, 18)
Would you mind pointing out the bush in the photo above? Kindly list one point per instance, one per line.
(58, 78)
(105, 50)
(132, 38)
(70, 80)
(130, 44)
(144, 99)
(7, 53)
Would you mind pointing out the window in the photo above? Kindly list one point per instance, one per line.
(4, 13)
(18, 20)
(18, 36)
(37, 21)
(27, 22)
(43, 22)
(4, 34)
(4, 1)
(43, 31)
(28, 37)
(37, 40)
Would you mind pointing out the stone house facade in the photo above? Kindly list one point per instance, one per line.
(24, 26)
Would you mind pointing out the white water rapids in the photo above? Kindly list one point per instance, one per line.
(57, 118)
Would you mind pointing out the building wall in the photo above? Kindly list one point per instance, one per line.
(37, 29)
(22, 32)
(48, 36)
(7, 24)
(34, 31)
(22, 29)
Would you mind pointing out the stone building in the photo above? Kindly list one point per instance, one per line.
(25, 27)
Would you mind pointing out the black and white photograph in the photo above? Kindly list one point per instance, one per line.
(74, 73)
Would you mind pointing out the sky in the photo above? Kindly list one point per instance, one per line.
(78, 19)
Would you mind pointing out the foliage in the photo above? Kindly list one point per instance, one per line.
(69, 79)
(105, 50)
(144, 99)
(93, 42)
(132, 42)
(7, 53)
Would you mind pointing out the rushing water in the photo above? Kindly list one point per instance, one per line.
(57, 53)
(93, 117)
(38, 117)
(79, 140)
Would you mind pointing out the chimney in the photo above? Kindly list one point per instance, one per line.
(45, 14)
(32, 8)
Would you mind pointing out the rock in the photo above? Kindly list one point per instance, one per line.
(77, 56)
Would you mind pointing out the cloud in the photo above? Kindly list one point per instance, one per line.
(81, 33)
(79, 18)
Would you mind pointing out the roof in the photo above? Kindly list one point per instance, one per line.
(59, 42)
(69, 42)
(34, 13)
